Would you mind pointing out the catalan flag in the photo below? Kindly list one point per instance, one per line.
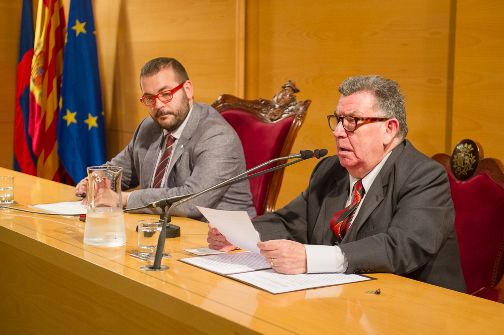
(45, 82)
(81, 126)
(24, 158)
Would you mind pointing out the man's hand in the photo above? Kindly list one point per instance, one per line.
(103, 194)
(217, 241)
(105, 197)
(285, 256)
(81, 188)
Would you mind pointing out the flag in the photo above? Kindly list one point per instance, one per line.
(81, 126)
(45, 82)
(24, 158)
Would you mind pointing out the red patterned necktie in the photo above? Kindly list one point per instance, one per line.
(342, 219)
(163, 161)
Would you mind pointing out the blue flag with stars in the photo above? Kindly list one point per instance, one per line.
(81, 126)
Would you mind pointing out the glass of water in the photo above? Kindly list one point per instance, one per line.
(147, 237)
(6, 190)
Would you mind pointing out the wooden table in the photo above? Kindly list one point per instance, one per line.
(51, 283)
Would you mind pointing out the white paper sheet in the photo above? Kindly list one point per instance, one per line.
(204, 251)
(253, 269)
(275, 282)
(235, 226)
(66, 208)
(230, 263)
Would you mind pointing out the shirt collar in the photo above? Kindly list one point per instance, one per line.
(367, 181)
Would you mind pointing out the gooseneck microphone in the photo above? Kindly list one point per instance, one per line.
(303, 154)
(170, 203)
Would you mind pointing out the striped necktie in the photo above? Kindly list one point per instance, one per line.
(342, 219)
(163, 161)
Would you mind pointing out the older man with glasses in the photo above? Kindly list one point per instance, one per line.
(378, 206)
(182, 148)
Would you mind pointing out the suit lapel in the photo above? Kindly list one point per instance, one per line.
(334, 201)
(375, 194)
(373, 198)
(186, 135)
(150, 160)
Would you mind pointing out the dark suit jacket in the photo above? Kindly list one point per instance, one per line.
(207, 152)
(405, 224)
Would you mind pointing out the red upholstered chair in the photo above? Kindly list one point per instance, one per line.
(267, 130)
(477, 188)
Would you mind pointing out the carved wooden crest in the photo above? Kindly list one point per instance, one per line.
(282, 105)
(465, 158)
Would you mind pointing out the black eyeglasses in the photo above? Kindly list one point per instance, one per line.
(164, 96)
(350, 123)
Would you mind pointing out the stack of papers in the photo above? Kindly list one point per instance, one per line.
(251, 267)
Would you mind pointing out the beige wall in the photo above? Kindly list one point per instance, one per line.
(446, 55)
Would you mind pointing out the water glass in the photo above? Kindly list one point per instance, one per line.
(6, 190)
(147, 237)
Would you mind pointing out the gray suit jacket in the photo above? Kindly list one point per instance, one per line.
(208, 152)
(405, 224)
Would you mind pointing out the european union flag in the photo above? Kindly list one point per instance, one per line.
(81, 126)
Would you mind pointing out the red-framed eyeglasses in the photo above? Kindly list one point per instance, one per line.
(166, 96)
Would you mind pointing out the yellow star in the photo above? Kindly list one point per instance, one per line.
(70, 117)
(79, 27)
(91, 121)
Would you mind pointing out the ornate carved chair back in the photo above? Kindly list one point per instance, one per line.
(267, 130)
(477, 188)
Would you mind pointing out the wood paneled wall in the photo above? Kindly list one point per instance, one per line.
(10, 17)
(478, 107)
(206, 36)
(319, 46)
(446, 55)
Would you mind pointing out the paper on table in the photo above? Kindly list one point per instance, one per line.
(252, 268)
(275, 282)
(225, 264)
(65, 208)
(235, 226)
(202, 251)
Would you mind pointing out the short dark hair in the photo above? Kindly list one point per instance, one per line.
(157, 64)
(388, 95)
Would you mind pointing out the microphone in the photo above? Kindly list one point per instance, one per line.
(173, 202)
(303, 154)
(318, 153)
(174, 230)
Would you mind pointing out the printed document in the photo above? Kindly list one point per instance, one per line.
(251, 267)
(235, 226)
(275, 282)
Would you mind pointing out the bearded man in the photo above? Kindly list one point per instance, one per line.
(182, 148)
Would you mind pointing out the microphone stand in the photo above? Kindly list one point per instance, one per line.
(168, 207)
(172, 230)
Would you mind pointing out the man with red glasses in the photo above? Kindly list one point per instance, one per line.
(184, 147)
(378, 206)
